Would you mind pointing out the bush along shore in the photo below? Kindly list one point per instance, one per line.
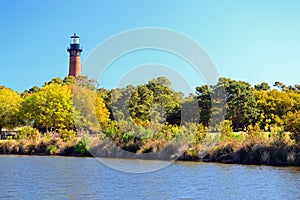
(229, 122)
(249, 147)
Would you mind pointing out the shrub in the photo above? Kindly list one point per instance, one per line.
(168, 131)
(67, 135)
(112, 132)
(186, 133)
(28, 133)
(200, 134)
(125, 125)
(144, 133)
(83, 145)
(52, 149)
(253, 133)
(128, 136)
(227, 130)
(277, 133)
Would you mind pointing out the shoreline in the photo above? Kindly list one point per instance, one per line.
(179, 159)
(279, 153)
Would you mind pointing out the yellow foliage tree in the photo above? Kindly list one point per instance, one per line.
(102, 112)
(10, 102)
(91, 109)
(50, 108)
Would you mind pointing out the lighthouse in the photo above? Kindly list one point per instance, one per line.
(74, 51)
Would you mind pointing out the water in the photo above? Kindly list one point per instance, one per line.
(35, 177)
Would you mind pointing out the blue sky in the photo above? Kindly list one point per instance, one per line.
(254, 41)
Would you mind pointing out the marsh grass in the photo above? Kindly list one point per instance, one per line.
(189, 142)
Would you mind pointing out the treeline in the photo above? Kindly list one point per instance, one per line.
(52, 107)
(152, 116)
(237, 101)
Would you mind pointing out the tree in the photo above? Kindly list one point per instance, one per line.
(262, 86)
(118, 102)
(83, 81)
(102, 112)
(90, 110)
(241, 103)
(292, 124)
(164, 97)
(50, 108)
(56, 80)
(280, 86)
(204, 99)
(10, 102)
(69, 80)
(186, 112)
(274, 105)
(140, 103)
(32, 90)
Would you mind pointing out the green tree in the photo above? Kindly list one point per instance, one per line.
(118, 102)
(204, 99)
(56, 80)
(187, 112)
(212, 103)
(241, 103)
(165, 99)
(69, 80)
(140, 103)
(262, 86)
(10, 102)
(280, 86)
(32, 90)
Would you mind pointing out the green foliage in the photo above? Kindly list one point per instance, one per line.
(128, 136)
(241, 103)
(262, 86)
(140, 103)
(165, 99)
(9, 137)
(52, 149)
(144, 133)
(186, 133)
(205, 105)
(67, 135)
(146, 117)
(83, 145)
(28, 133)
(112, 132)
(212, 104)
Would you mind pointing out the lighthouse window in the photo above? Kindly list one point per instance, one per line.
(75, 40)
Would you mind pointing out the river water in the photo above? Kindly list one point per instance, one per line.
(51, 177)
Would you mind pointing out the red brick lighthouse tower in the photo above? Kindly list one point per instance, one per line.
(75, 51)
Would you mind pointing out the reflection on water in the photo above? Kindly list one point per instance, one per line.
(34, 177)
